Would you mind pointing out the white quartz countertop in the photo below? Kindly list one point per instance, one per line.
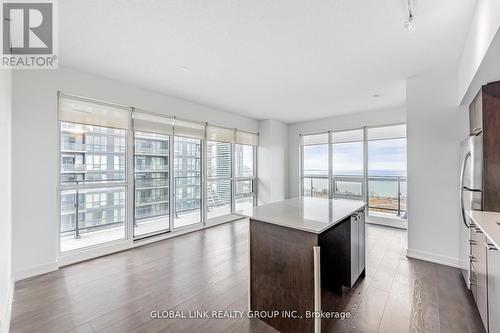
(487, 222)
(307, 214)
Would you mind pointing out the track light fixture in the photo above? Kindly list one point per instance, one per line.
(410, 23)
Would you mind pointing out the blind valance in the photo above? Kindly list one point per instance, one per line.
(81, 111)
(146, 122)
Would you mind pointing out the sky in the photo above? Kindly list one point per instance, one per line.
(385, 158)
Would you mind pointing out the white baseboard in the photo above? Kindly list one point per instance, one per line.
(5, 319)
(34, 271)
(431, 257)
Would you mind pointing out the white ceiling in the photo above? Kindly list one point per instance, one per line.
(291, 60)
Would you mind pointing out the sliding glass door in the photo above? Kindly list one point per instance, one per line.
(219, 178)
(187, 181)
(244, 177)
(315, 165)
(362, 164)
(151, 176)
(387, 171)
(348, 164)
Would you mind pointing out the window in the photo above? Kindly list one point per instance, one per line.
(333, 165)
(245, 177)
(93, 187)
(387, 171)
(162, 188)
(315, 165)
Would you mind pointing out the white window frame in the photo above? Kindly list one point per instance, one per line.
(86, 253)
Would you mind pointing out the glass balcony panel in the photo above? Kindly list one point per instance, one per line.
(348, 189)
(243, 187)
(315, 187)
(92, 155)
(244, 204)
(101, 217)
(384, 198)
(218, 198)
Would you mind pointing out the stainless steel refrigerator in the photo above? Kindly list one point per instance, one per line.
(471, 193)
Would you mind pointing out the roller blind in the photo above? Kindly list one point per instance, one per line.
(315, 139)
(189, 129)
(387, 132)
(145, 122)
(348, 136)
(220, 134)
(82, 111)
(246, 138)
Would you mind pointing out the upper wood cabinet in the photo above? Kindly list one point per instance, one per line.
(484, 119)
(476, 114)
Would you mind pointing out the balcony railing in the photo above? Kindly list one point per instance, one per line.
(91, 148)
(387, 194)
(151, 200)
(73, 167)
(151, 151)
(150, 168)
(145, 183)
(315, 186)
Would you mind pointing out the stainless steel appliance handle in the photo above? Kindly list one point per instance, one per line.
(490, 247)
(462, 175)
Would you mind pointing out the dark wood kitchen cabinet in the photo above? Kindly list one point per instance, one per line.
(479, 272)
(484, 118)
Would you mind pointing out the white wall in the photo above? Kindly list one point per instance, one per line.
(35, 164)
(273, 161)
(352, 121)
(436, 126)
(489, 71)
(5, 198)
(484, 26)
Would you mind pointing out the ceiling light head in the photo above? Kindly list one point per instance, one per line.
(410, 23)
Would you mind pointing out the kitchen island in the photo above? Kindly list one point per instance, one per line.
(299, 247)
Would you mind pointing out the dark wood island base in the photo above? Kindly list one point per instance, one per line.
(290, 267)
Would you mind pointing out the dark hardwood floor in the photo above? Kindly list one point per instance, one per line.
(208, 270)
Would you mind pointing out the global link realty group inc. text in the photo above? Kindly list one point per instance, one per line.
(236, 314)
